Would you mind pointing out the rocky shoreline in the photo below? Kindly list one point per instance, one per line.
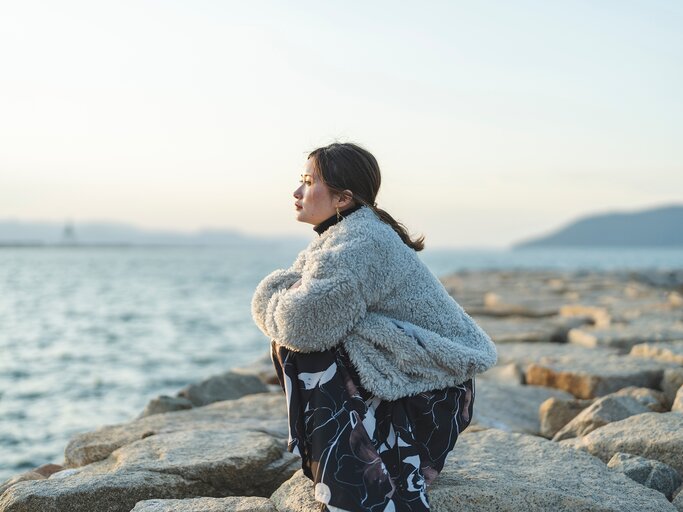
(584, 411)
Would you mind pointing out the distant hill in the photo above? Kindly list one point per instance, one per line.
(658, 227)
(17, 232)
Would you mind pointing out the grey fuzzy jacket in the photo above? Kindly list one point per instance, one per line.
(363, 287)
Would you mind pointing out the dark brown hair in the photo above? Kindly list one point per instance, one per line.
(346, 165)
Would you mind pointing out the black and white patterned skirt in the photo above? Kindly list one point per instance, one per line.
(361, 452)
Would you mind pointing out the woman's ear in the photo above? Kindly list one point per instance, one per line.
(345, 199)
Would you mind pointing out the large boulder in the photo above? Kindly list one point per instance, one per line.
(512, 408)
(182, 464)
(226, 386)
(498, 471)
(266, 411)
(671, 351)
(657, 436)
(231, 504)
(625, 336)
(603, 411)
(586, 376)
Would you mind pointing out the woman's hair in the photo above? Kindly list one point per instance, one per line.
(346, 165)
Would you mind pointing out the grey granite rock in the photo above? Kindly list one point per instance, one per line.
(230, 504)
(603, 411)
(498, 471)
(587, 376)
(657, 436)
(665, 351)
(164, 403)
(626, 336)
(512, 408)
(677, 405)
(650, 473)
(182, 464)
(672, 380)
(266, 412)
(509, 373)
(226, 386)
(555, 413)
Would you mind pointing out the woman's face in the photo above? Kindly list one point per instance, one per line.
(314, 200)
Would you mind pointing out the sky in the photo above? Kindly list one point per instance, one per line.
(492, 121)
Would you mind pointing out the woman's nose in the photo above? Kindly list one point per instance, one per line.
(297, 192)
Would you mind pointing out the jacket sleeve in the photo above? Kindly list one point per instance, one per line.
(337, 284)
(278, 280)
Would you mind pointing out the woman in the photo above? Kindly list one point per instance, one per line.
(377, 361)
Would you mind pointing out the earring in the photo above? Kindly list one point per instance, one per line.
(339, 217)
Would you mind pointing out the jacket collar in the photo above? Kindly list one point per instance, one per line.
(330, 221)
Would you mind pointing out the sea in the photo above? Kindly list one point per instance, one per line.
(88, 334)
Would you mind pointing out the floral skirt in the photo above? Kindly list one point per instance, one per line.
(361, 452)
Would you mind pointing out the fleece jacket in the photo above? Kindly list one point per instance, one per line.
(363, 287)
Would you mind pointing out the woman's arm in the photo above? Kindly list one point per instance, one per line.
(277, 280)
(333, 295)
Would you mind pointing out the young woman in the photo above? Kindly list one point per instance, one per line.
(376, 359)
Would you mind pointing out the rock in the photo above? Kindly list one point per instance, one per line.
(498, 471)
(587, 376)
(295, 495)
(504, 374)
(178, 465)
(653, 399)
(671, 351)
(678, 500)
(39, 473)
(672, 380)
(116, 492)
(226, 386)
(603, 411)
(508, 407)
(262, 368)
(677, 405)
(650, 473)
(230, 504)
(625, 336)
(599, 316)
(555, 413)
(265, 412)
(524, 354)
(164, 403)
(515, 329)
(657, 436)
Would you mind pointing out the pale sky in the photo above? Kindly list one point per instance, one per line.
(492, 121)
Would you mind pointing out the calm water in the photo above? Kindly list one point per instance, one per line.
(89, 335)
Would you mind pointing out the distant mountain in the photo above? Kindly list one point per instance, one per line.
(658, 227)
(16, 232)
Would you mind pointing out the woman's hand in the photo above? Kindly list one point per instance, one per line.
(295, 285)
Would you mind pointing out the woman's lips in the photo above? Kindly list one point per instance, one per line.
(298, 207)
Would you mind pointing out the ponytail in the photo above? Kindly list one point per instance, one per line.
(348, 166)
(401, 230)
